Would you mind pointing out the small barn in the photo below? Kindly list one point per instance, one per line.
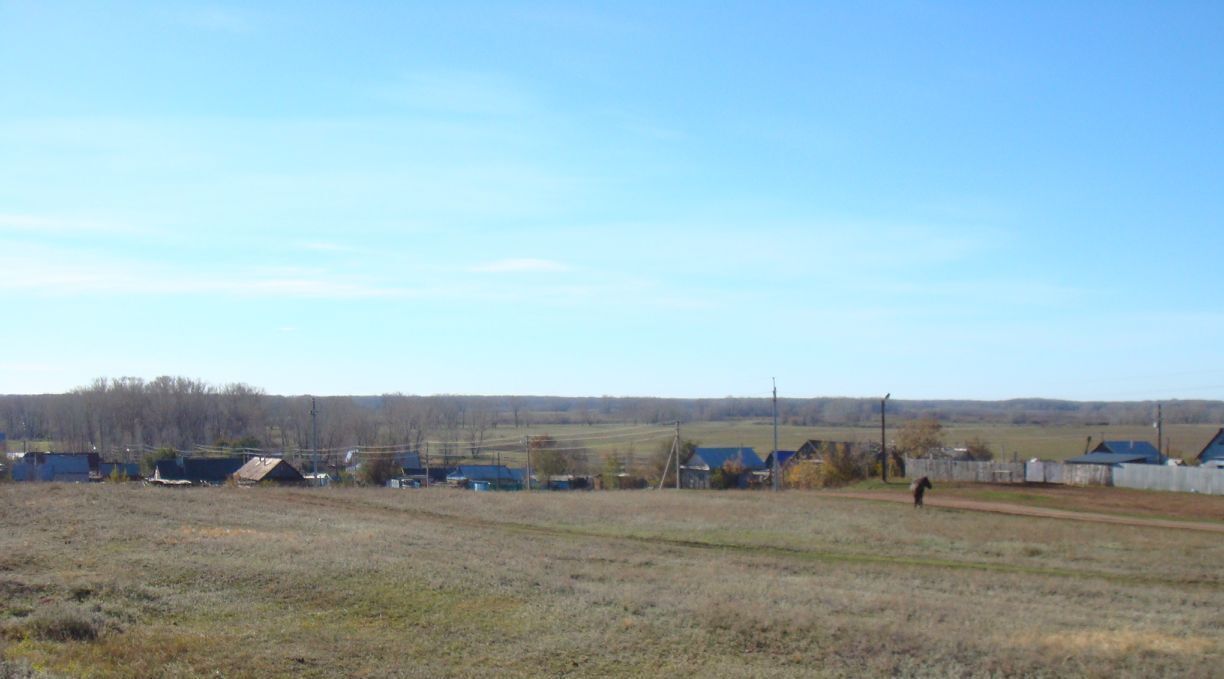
(1120, 452)
(268, 470)
(1213, 452)
(707, 465)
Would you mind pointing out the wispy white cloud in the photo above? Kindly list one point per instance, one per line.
(524, 265)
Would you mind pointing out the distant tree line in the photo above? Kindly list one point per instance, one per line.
(114, 415)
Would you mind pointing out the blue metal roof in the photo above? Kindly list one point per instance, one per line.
(784, 456)
(483, 472)
(1214, 450)
(1109, 458)
(1141, 448)
(715, 458)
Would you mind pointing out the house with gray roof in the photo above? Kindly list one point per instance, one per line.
(1120, 452)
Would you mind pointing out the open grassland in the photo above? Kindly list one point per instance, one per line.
(116, 580)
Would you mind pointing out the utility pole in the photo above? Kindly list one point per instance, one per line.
(527, 451)
(883, 442)
(777, 485)
(674, 452)
(677, 447)
(1160, 447)
(314, 437)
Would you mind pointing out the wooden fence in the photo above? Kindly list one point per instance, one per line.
(960, 470)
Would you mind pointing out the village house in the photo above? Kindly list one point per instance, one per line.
(707, 463)
(198, 470)
(1120, 452)
(268, 470)
(1212, 454)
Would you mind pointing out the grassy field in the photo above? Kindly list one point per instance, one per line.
(115, 580)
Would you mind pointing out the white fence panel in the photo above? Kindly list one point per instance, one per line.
(1141, 476)
(1175, 479)
(962, 470)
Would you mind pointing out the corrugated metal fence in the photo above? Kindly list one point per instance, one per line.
(1142, 476)
(1177, 479)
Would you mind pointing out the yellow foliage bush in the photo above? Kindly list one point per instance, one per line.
(804, 474)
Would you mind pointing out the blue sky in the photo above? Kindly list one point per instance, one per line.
(941, 200)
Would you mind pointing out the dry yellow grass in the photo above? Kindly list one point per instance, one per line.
(372, 582)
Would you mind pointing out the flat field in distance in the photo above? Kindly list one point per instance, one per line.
(117, 580)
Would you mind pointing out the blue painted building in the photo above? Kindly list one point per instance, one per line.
(64, 467)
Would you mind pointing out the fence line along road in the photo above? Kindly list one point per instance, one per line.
(1140, 476)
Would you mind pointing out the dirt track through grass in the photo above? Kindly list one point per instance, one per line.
(1038, 512)
(827, 555)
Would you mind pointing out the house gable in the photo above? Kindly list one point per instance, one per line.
(1214, 450)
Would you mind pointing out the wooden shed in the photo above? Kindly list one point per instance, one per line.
(268, 470)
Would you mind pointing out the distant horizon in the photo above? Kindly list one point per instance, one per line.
(760, 395)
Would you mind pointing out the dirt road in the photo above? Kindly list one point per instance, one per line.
(1025, 510)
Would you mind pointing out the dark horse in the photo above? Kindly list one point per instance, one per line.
(919, 488)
